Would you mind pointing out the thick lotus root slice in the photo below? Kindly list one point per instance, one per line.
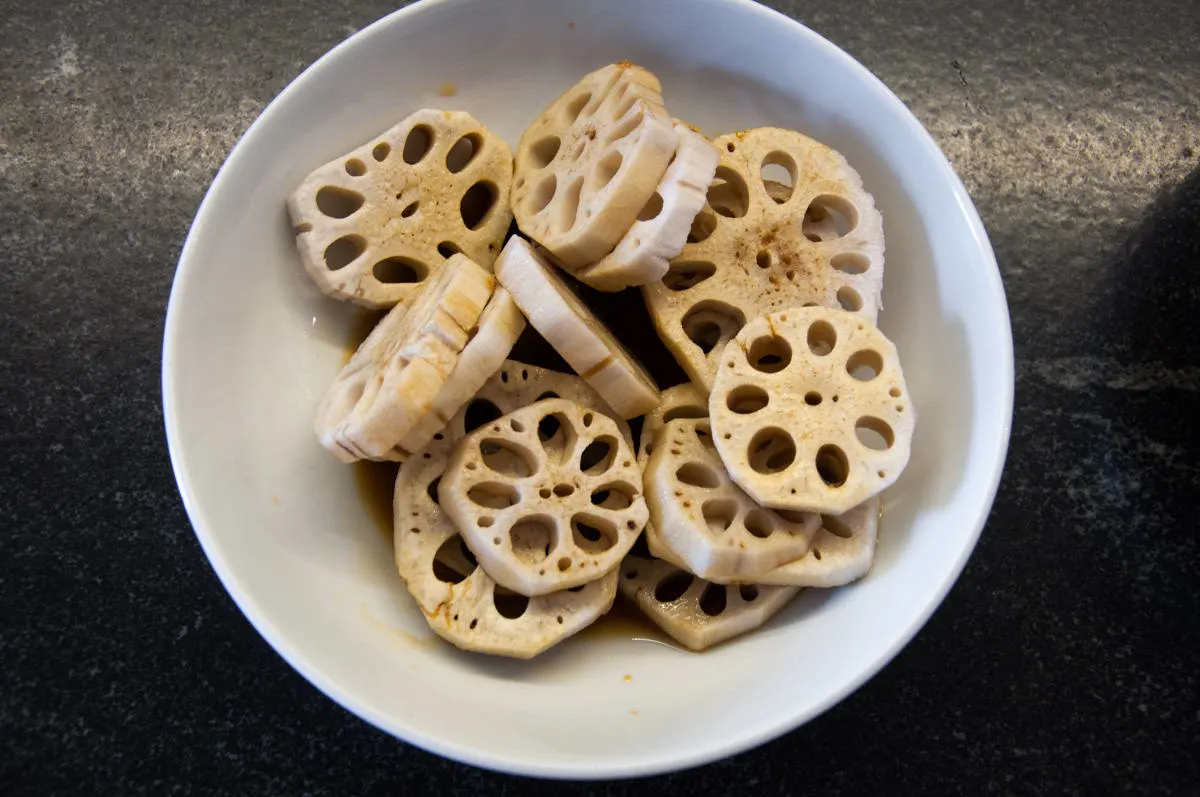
(681, 401)
(765, 242)
(842, 551)
(394, 377)
(715, 529)
(643, 254)
(547, 497)
(574, 331)
(810, 410)
(441, 572)
(489, 343)
(590, 162)
(372, 225)
(694, 612)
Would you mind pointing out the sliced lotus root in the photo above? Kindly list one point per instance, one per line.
(694, 612)
(787, 224)
(574, 331)
(394, 377)
(661, 229)
(372, 225)
(715, 529)
(590, 162)
(489, 343)
(681, 401)
(548, 497)
(841, 552)
(810, 410)
(442, 573)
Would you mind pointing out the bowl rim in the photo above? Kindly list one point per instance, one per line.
(412, 734)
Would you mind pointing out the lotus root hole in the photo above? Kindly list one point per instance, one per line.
(557, 437)
(712, 600)
(652, 208)
(685, 411)
(812, 398)
(874, 433)
(705, 438)
(672, 587)
(477, 203)
(763, 259)
(448, 249)
(769, 354)
(593, 534)
(598, 456)
(544, 150)
(480, 412)
(849, 299)
(355, 167)
(614, 496)
(771, 450)
(698, 474)
(748, 592)
(832, 465)
(532, 539)
(448, 562)
(718, 514)
(588, 418)
(563, 490)
(712, 323)
(864, 365)
(417, 144)
(894, 392)
(463, 152)
(542, 194)
(727, 194)
(576, 106)
(486, 522)
(493, 495)
(850, 263)
(831, 213)
(507, 458)
(759, 523)
(747, 399)
(510, 605)
(338, 203)
(564, 564)
(568, 211)
(394, 270)
(792, 516)
(344, 251)
(432, 489)
(687, 274)
(381, 151)
(410, 209)
(703, 226)
(822, 338)
(625, 127)
(779, 168)
(606, 169)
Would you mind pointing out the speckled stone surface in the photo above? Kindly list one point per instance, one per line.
(1064, 661)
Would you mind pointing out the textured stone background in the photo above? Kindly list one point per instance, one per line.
(1066, 658)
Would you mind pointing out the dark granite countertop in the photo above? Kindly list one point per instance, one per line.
(1064, 661)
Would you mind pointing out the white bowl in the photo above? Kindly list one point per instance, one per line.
(250, 346)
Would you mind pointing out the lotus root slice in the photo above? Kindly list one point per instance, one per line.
(810, 411)
(787, 223)
(374, 224)
(548, 497)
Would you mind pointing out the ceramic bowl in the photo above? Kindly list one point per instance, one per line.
(250, 346)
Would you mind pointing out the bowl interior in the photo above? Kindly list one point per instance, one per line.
(251, 346)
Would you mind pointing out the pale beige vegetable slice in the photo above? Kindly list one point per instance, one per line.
(841, 552)
(590, 162)
(374, 224)
(716, 530)
(393, 379)
(695, 612)
(787, 223)
(458, 599)
(661, 229)
(574, 331)
(810, 410)
(681, 401)
(548, 497)
(490, 341)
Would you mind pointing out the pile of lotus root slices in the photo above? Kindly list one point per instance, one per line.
(524, 503)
